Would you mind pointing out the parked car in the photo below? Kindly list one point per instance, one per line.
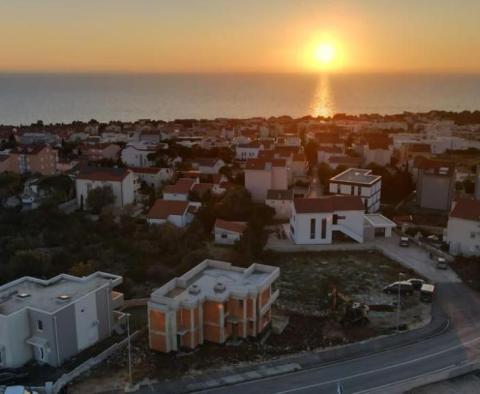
(404, 241)
(442, 263)
(416, 283)
(19, 390)
(426, 292)
(404, 287)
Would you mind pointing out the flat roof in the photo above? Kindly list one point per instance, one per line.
(356, 175)
(28, 292)
(214, 280)
(379, 221)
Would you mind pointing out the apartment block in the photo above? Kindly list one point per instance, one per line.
(33, 159)
(358, 182)
(213, 302)
(50, 321)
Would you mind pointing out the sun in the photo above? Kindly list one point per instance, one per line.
(325, 54)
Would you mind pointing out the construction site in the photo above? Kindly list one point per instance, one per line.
(326, 299)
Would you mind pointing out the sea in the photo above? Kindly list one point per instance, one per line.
(54, 98)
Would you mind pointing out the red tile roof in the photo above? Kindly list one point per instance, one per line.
(328, 204)
(236, 227)
(466, 209)
(162, 209)
(419, 148)
(201, 188)
(146, 170)
(439, 167)
(103, 174)
(206, 161)
(328, 138)
(183, 186)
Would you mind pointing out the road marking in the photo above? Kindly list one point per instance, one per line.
(381, 369)
(404, 380)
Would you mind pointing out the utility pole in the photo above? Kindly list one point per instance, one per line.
(129, 351)
(399, 300)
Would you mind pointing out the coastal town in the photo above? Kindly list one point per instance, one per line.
(154, 253)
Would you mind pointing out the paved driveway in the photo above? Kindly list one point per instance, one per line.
(416, 258)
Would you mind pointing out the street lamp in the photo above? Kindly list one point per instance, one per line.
(400, 276)
(129, 351)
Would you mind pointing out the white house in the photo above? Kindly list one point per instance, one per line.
(208, 165)
(281, 201)
(178, 213)
(153, 176)
(248, 151)
(135, 154)
(180, 190)
(120, 180)
(358, 182)
(262, 175)
(463, 229)
(227, 232)
(314, 220)
(324, 153)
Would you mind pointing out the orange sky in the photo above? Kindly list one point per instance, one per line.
(247, 36)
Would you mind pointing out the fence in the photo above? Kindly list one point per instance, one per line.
(87, 365)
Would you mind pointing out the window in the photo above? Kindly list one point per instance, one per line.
(472, 235)
(292, 230)
(324, 228)
(224, 235)
(335, 218)
(40, 325)
(313, 223)
(352, 190)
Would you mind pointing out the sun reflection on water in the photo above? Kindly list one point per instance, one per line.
(322, 102)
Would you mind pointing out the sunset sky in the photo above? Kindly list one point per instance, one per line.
(240, 36)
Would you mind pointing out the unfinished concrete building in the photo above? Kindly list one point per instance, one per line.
(212, 302)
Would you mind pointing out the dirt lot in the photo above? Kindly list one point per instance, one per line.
(306, 280)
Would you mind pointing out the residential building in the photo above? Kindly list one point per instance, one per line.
(324, 153)
(435, 183)
(247, 151)
(136, 154)
(120, 180)
(262, 175)
(208, 165)
(95, 152)
(463, 229)
(314, 220)
(212, 302)
(281, 201)
(5, 162)
(153, 176)
(50, 321)
(41, 159)
(180, 190)
(178, 213)
(358, 182)
(342, 161)
(228, 232)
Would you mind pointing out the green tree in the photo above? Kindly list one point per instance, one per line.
(99, 198)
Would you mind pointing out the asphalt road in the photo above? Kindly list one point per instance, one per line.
(460, 343)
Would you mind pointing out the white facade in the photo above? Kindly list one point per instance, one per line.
(247, 151)
(318, 228)
(154, 179)
(358, 182)
(226, 237)
(259, 181)
(135, 154)
(123, 190)
(463, 236)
